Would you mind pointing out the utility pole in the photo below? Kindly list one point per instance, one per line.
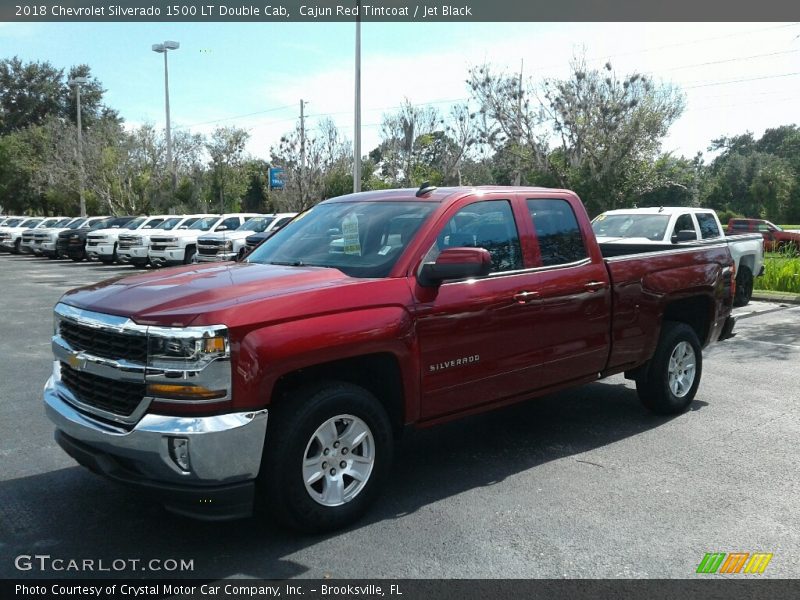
(357, 130)
(518, 176)
(163, 49)
(302, 151)
(78, 82)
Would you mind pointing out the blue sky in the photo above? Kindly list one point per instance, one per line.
(737, 76)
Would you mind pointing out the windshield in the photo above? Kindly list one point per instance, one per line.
(135, 223)
(205, 224)
(257, 224)
(54, 223)
(31, 223)
(76, 224)
(169, 223)
(361, 239)
(651, 227)
(773, 225)
(13, 222)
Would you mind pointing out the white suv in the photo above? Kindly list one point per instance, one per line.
(229, 245)
(133, 247)
(179, 247)
(103, 243)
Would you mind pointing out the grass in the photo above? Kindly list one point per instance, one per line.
(781, 272)
(789, 226)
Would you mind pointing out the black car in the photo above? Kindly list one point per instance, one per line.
(72, 243)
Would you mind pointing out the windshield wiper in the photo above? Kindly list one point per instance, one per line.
(289, 263)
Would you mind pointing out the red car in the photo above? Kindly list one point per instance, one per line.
(775, 238)
(366, 314)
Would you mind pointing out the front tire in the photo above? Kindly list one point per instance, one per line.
(326, 456)
(188, 255)
(744, 287)
(670, 382)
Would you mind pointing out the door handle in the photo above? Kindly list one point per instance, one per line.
(525, 297)
(594, 286)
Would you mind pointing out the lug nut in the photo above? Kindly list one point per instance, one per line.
(324, 465)
(326, 451)
(333, 471)
(345, 450)
(335, 444)
(343, 464)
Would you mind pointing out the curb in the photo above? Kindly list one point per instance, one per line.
(782, 297)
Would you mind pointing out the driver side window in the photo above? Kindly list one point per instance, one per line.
(489, 224)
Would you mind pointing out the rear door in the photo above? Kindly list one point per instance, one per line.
(572, 318)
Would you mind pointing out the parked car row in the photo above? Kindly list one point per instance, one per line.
(159, 240)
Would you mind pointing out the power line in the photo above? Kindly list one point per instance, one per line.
(258, 112)
(692, 87)
(728, 60)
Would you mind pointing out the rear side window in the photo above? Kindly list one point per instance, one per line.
(683, 223)
(708, 225)
(560, 239)
(741, 225)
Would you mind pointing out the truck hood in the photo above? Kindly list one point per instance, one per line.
(111, 232)
(223, 236)
(180, 233)
(199, 293)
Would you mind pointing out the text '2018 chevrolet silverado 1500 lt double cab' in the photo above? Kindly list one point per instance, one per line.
(281, 381)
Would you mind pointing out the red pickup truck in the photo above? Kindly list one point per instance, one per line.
(775, 238)
(368, 313)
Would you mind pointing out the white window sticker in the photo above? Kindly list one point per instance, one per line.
(352, 243)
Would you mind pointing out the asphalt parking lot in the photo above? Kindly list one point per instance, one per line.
(581, 484)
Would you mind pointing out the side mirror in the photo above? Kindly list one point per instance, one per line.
(455, 263)
(684, 235)
(221, 228)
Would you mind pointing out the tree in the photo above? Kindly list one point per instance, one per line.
(610, 130)
(324, 171)
(404, 140)
(507, 120)
(31, 93)
(227, 150)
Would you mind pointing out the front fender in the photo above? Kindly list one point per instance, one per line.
(267, 354)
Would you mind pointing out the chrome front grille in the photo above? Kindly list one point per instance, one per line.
(117, 397)
(105, 344)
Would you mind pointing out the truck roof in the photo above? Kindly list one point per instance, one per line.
(657, 210)
(439, 194)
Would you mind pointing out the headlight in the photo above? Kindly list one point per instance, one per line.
(188, 365)
(192, 347)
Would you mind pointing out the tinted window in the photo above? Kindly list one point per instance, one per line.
(230, 223)
(204, 224)
(684, 223)
(257, 224)
(708, 225)
(743, 225)
(762, 227)
(488, 225)
(560, 239)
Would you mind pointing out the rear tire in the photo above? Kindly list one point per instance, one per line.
(744, 287)
(16, 247)
(326, 458)
(671, 380)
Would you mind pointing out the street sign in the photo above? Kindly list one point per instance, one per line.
(276, 178)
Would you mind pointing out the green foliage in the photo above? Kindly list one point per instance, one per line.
(781, 272)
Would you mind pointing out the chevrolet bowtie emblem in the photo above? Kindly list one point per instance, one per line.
(75, 361)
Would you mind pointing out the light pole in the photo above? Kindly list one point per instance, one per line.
(357, 129)
(77, 82)
(162, 49)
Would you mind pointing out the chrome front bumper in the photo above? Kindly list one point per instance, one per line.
(222, 449)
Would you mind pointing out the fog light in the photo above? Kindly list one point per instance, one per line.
(179, 452)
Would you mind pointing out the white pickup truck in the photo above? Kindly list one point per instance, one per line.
(103, 244)
(180, 247)
(134, 247)
(683, 225)
(230, 245)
